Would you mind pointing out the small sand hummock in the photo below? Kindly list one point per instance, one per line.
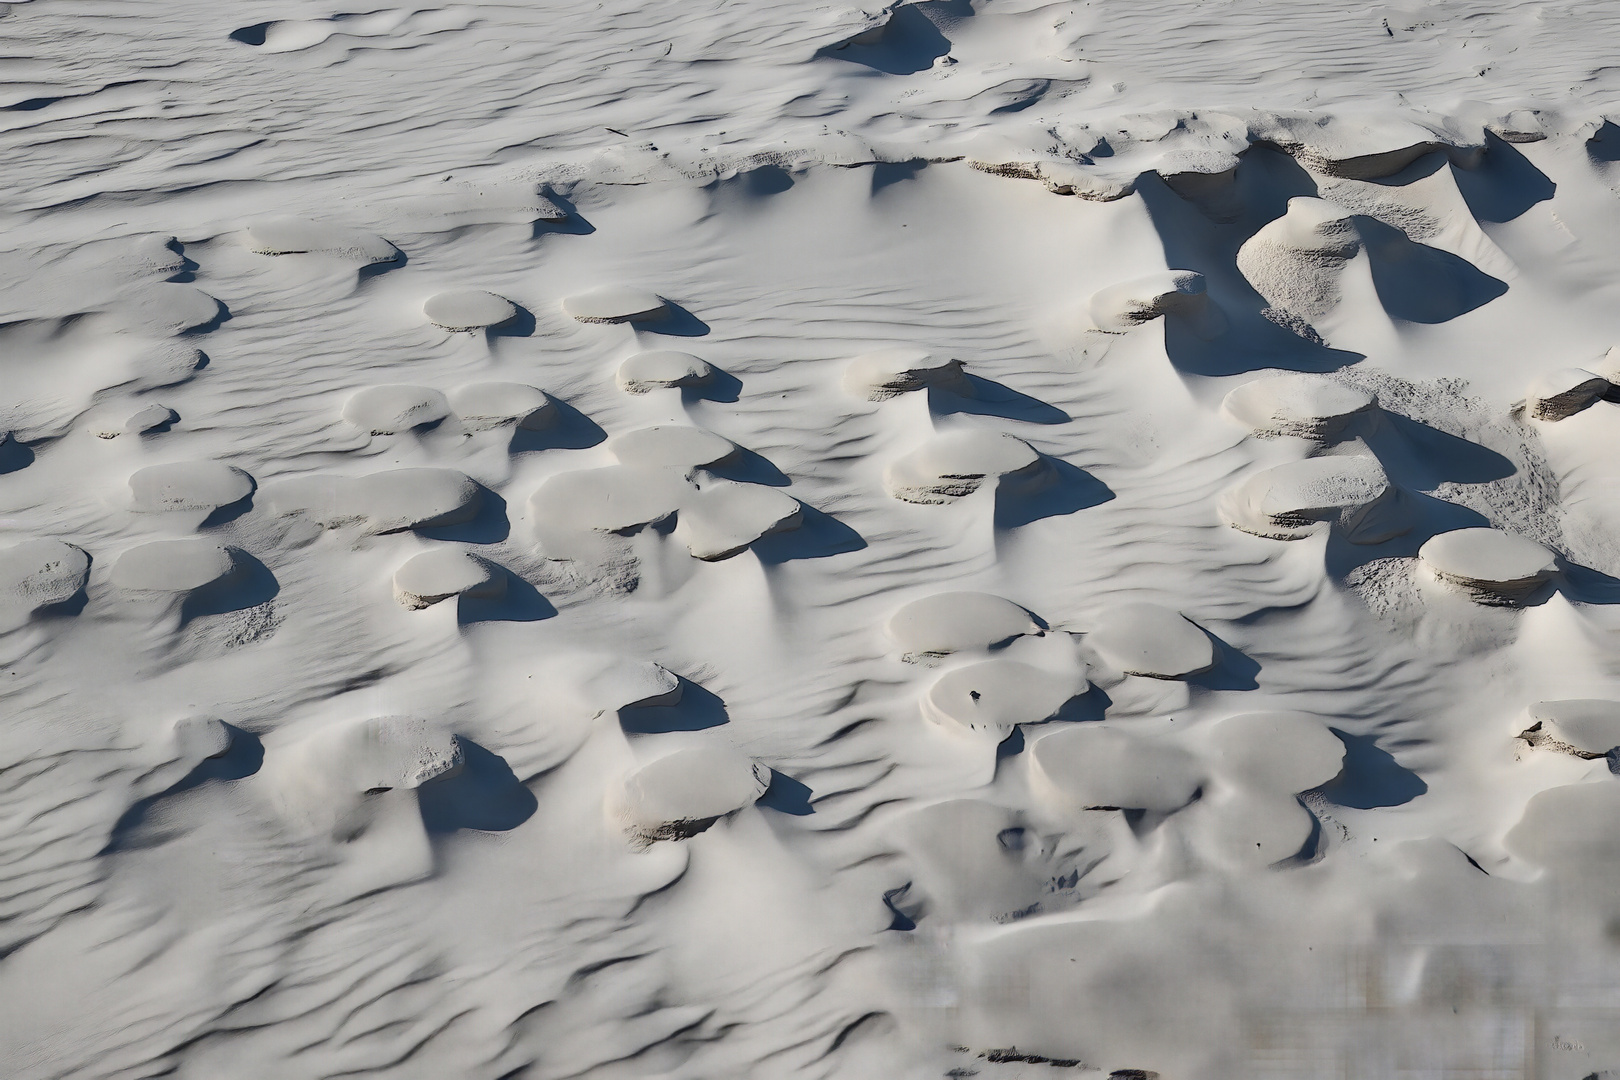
(1146, 639)
(609, 683)
(1294, 500)
(676, 446)
(681, 794)
(467, 310)
(1083, 767)
(1121, 308)
(441, 573)
(1564, 393)
(606, 500)
(188, 485)
(616, 304)
(997, 695)
(886, 373)
(1306, 405)
(722, 518)
(198, 738)
(1284, 752)
(388, 410)
(951, 622)
(382, 753)
(382, 502)
(1488, 565)
(174, 566)
(110, 421)
(485, 405)
(299, 236)
(662, 368)
(956, 463)
(170, 307)
(1294, 262)
(36, 574)
(1584, 727)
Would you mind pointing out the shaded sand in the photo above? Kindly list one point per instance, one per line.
(956, 463)
(37, 574)
(1487, 565)
(1291, 501)
(1563, 393)
(188, 485)
(174, 566)
(994, 696)
(387, 410)
(1309, 406)
(951, 622)
(290, 235)
(484, 405)
(426, 579)
(886, 373)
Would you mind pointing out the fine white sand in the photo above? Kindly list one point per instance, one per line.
(755, 541)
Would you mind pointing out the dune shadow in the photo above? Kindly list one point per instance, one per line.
(1604, 145)
(1084, 708)
(222, 314)
(249, 584)
(1372, 778)
(787, 796)
(1586, 585)
(484, 795)
(989, 398)
(489, 526)
(747, 467)
(1504, 185)
(1070, 489)
(521, 602)
(1417, 455)
(231, 511)
(698, 709)
(1234, 669)
(251, 35)
(573, 430)
(722, 388)
(907, 43)
(1422, 284)
(1428, 516)
(520, 325)
(818, 536)
(242, 758)
(678, 322)
(378, 269)
(14, 455)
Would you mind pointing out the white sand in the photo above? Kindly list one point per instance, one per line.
(804, 633)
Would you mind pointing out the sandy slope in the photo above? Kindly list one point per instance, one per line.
(750, 540)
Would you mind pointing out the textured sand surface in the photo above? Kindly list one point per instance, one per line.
(738, 540)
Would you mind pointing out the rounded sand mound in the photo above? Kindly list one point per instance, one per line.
(174, 566)
(610, 683)
(677, 446)
(437, 575)
(886, 373)
(300, 236)
(382, 502)
(380, 753)
(1294, 500)
(1092, 768)
(466, 310)
(682, 794)
(171, 308)
(615, 304)
(198, 738)
(36, 574)
(1309, 406)
(1121, 308)
(1584, 727)
(188, 485)
(1285, 752)
(1564, 393)
(1295, 261)
(723, 518)
(953, 464)
(997, 695)
(954, 621)
(1489, 566)
(612, 499)
(662, 368)
(1146, 639)
(485, 405)
(388, 410)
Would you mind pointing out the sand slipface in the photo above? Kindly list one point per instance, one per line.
(995, 696)
(388, 410)
(1295, 500)
(682, 794)
(616, 304)
(298, 236)
(1285, 752)
(1084, 767)
(722, 518)
(1121, 308)
(172, 566)
(485, 405)
(1146, 639)
(382, 502)
(466, 310)
(1488, 565)
(188, 485)
(1295, 261)
(676, 446)
(37, 574)
(954, 621)
(886, 373)
(1563, 393)
(611, 683)
(171, 307)
(437, 575)
(1305, 405)
(660, 369)
(1584, 727)
(956, 463)
(198, 738)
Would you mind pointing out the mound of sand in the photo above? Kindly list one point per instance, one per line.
(885, 373)
(1584, 727)
(298, 236)
(1301, 404)
(373, 755)
(1146, 639)
(113, 421)
(1488, 565)
(968, 862)
(956, 463)
(682, 794)
(661, 369)
(954, 621)
(676, 446)
(610, 683)
(388, 410)
(437, 575)
(382, 502)
(615, 304)
(1295, 261)
(1357, 148)
(36, 574)
(466, 310)
(188, 485)
(1564, 393)
(997, 695)
(722, 518)
(174, 566)
(1083, 767)
(170, 308)
(1294, 500)
(485, 405)
(1283, 752)
(1519, 126)
(198, 738)
(1121, 308)
(608, 500)
(1249, 830)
